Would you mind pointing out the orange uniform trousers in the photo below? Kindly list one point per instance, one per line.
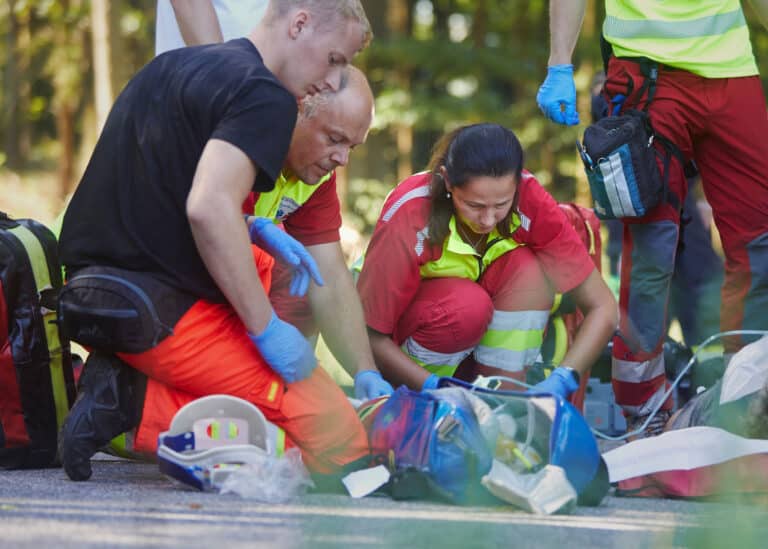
(210, 352)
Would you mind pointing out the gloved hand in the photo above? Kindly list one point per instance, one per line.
(369, 385)
(560, 382)
(281, 245)
(559, 89)
(430, 382)
(285, 349)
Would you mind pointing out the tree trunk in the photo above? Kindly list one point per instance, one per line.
(480, 24)
(399, 22)
(12, 81)
(102, 66)
(66, 133)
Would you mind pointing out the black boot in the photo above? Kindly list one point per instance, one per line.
(109, 401)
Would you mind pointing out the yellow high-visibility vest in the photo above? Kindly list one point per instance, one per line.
(709, 38)
(288, 196)
(459, 259)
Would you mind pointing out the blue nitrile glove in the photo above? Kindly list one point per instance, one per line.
(559, 382)
(430, 382)
(559, 89)
(286, 351)
(369, 385)
(281, 245)
(617, 101)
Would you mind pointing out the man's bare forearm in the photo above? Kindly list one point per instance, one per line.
(337, 310)
(565, 18)
(220, 233)
(197, 21)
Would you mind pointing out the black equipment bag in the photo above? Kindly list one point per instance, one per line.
(620, 158)
(620, 162)
(36, 379)
(119, 311)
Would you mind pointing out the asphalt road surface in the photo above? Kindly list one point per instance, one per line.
(129, 504)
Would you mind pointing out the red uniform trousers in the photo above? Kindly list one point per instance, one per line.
(722, 125)
(211, 353)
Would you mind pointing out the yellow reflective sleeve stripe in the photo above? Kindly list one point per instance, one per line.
(273, 391)
(513, 340)
(42, 277)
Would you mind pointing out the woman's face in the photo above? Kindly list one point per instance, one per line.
(483, 201)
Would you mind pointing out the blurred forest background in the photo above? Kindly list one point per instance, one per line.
(434, 64)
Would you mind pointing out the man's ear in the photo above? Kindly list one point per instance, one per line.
(299, 23)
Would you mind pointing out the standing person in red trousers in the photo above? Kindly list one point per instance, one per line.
(707, 100)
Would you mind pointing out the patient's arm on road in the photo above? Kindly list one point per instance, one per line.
(394, 364)
(197, 21)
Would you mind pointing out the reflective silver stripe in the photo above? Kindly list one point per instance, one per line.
(418, 192)
(421, 237)
(518, 320)
(616, 186)
(648, 406)
(711, 25)
(428, 357)
(638, 372)
(504, 359)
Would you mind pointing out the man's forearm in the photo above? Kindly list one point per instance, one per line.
(197, 21)
(338, 312)
(220, 232)
(565, 18)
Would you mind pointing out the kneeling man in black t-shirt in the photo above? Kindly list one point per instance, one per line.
(191, 135)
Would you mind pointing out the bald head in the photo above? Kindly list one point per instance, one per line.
(329, 126)
(354, 88)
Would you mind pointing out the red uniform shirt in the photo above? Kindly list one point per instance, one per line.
(399, 247)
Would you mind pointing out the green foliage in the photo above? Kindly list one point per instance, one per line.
(451, 62)
(365, 198)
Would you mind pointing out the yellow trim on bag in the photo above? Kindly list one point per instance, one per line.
(42, 275)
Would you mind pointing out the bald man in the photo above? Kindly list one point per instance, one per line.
(304, 200)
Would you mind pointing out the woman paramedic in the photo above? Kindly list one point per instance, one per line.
(465, 260)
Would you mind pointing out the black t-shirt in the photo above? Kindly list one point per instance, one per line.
(129, 210)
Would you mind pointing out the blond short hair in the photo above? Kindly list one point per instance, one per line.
(326, 10)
